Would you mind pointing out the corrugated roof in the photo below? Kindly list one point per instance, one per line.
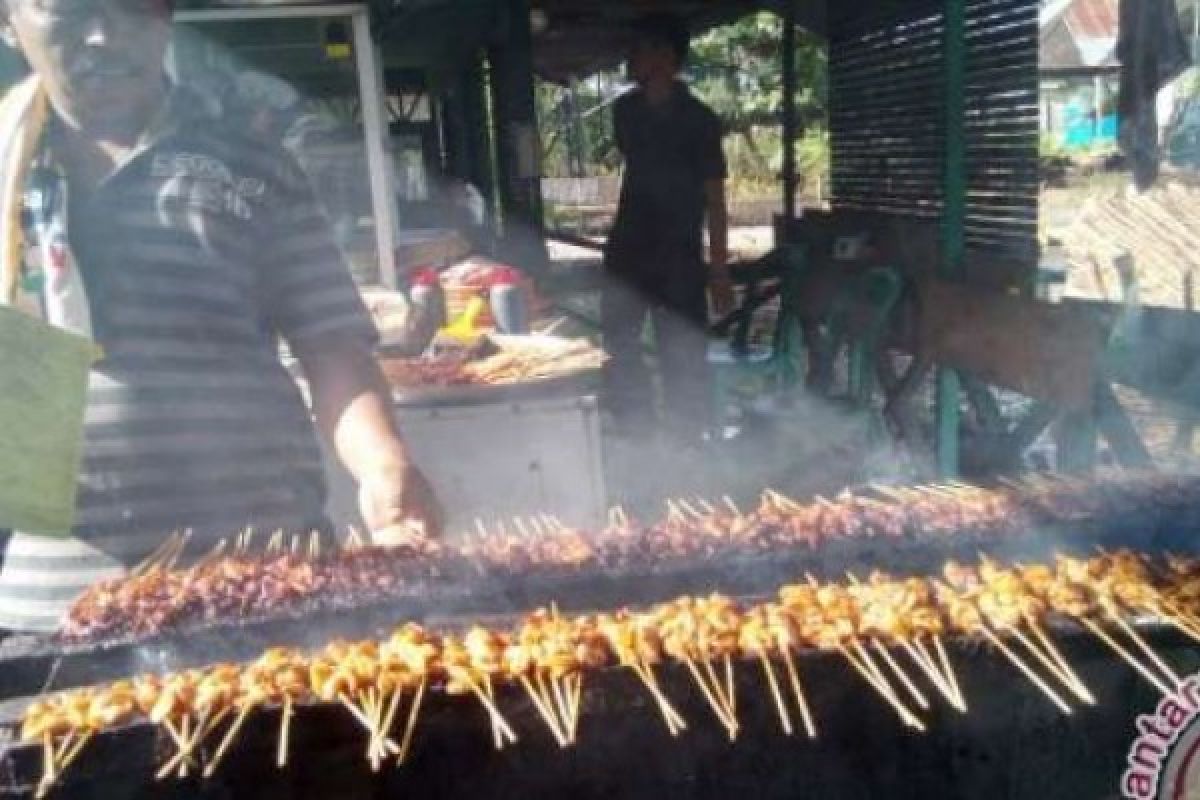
(1093, 19)
(1082, 34)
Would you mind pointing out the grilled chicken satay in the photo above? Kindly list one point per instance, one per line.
(634, 642)
(905, 615)
(1119, 583)
(959, 595)
(64, 724)
(545, 657)
(1180, 593)
(350, 673)
(758, 639)
(408, 660)
(828, 617)
(694, 632)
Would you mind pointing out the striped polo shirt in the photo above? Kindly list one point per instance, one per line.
(198, 254)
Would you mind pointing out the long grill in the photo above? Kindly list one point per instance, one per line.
(1053, 517)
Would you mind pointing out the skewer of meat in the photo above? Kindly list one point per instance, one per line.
(634, 642)
(64, 724)
(696, 631)
(903, 614)
(960, 605)
(1097, 581)
(461, 678)
(1010, 606)
(827, 617)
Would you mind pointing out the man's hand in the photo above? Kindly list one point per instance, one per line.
(399, 507)
(352, 403)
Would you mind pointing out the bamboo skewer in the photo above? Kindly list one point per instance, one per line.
(798, 690)
(730, 686)
(720, 692)
(1183, 622)
(576, 698)
(187, 741)
(667, 715)
(1145, 647)
(784, 719)
(68, 756)
(916, 694)
(547, 716)
(907, 716)
(411, 725)
(1125, 655)
(366, 703)
(947, 669)
(561, 703)
(393, 707)
(497, 717)
(49, 771)
(680, 722)
(553, 701)
(1048, 662)
(1025, 669)
(211, 767)
(874, 668)
(357, 712)
(285, 727)
(675, 722)
(1074, 682)
(688, 508)
(931, 672)
(177, 551)
(937, 673)
(498, 736)
(152, 561)
(716, 706)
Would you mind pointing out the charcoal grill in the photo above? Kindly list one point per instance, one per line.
(863, 750)
(1012, 744)
(32, 664)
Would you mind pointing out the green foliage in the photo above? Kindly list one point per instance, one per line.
(736, 70)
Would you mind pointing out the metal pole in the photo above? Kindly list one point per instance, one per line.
(953, 218)
(375, 128)
(788, 49)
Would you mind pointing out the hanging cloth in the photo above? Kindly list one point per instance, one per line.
(1153, 52)
(38, 272)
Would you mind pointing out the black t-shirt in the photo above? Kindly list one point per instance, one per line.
(670, 152)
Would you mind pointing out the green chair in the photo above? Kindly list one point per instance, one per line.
(877, 291)
(735, 360)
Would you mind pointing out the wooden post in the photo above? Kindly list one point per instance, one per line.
(788, 58)
(517, 148)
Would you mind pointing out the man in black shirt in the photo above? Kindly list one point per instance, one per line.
(674, 179)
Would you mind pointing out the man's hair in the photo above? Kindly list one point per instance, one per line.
(665, 30)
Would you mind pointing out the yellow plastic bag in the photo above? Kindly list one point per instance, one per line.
(43, 392)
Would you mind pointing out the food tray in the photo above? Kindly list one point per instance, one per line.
(578, 384)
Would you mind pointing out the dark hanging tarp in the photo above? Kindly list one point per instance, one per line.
(1153, 52)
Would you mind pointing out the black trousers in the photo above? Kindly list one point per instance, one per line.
(678, 312)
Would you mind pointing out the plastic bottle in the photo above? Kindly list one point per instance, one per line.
(428, 299)
(509, 308)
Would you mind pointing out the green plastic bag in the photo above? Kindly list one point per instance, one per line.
(43, 391)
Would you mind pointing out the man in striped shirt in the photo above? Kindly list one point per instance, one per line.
(197, 247)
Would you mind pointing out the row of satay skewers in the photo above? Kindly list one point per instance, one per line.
(890, 630)
(251, 575)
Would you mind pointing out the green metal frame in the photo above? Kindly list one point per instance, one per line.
(949, 390)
